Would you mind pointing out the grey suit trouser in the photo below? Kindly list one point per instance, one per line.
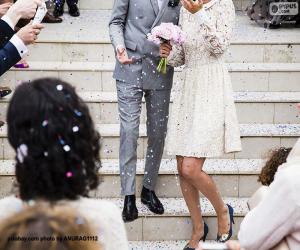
(130, 104)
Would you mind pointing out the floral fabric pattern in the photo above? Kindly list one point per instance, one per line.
(203, 120)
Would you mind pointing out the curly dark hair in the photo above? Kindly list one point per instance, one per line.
(277, 158)
(53, 135)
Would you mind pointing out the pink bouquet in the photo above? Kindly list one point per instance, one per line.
(166, 32)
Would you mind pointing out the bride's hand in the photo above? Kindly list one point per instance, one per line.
(192, 6)
(165, 50)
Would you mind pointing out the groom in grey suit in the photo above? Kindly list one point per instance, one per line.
(136, 76)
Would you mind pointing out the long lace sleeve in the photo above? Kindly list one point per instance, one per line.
(217, 30)
(177, 57)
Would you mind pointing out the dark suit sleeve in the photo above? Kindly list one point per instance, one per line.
(6, 33)
(9, 56)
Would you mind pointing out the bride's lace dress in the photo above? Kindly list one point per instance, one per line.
(203, 121)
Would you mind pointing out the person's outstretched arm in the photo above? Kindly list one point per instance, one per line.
(6, 32)
(9, 56)
(16, 47)
(21, 9)
(117, 23)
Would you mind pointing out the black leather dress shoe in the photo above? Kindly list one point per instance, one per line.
(149, 198)
(73, 10)
(274, 26)
(4, 91)
(130, 212)
(58, 10)
(51, 19)
(2, 124)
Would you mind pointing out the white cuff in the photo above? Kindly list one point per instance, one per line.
(6, 19)
(202, 17)
(120, 47)
(20, 46)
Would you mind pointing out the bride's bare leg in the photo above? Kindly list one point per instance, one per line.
(191, 170)
(191, 197)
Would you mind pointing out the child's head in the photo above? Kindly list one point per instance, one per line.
(277, 158)
(45, 228)
(56, 144)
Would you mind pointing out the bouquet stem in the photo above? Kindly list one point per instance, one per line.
(162, 66)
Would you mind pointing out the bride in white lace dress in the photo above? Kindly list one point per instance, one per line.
(203, 121)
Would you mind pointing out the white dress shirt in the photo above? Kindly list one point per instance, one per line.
(160, 3)
(15, 40)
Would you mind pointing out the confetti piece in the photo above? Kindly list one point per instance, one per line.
(69, 174)
(77, 112)
(75, 129)
(67, 148)
(59, 87)
(45, 123)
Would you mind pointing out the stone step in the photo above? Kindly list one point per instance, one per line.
(155, 245)
(175, 223)
(257, 140)
(252, 107)
(160, 245)
(108, 4)
(249, 44)
(91, 76)
(104, 52)
(110, 167)
(234, 177)
(82, 30)
(247, 130)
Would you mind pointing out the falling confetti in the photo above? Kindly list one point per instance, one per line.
(67, 148)
(69, 174)
(75, 129)
(59, 87)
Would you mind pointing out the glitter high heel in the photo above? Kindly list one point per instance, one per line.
(225, 237)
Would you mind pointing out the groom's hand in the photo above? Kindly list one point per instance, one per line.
(122, 56)
(193, 6)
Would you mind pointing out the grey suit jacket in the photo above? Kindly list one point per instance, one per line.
(130, 23)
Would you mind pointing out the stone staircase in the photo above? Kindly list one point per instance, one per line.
(265, 70)
(107, 4)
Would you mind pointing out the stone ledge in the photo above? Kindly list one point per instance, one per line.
(160, 245)
(168, 167)
(82, 30)
(247, 130)
(239, 97)
(176, 207)
(109, 67)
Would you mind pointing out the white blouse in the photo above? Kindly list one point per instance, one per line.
(277, 216)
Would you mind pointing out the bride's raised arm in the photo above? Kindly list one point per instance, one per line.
(217, 30)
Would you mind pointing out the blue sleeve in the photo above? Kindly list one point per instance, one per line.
(6, 33)
(9, 56)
